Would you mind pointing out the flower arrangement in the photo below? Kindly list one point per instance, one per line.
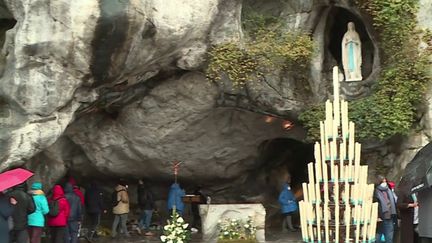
(235, 230)
(176, 231)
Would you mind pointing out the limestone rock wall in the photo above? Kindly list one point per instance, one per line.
(116, 88)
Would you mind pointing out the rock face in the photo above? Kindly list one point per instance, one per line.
(114, 88)
(129, 96)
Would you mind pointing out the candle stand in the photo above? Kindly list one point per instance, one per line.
(337, 205)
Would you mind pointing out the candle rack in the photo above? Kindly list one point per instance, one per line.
(337, 205)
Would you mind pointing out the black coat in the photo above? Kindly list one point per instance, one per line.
(24, 205)
(94, 200)
(74, 201)
(6, 210)
(407, 217)
(145, 198)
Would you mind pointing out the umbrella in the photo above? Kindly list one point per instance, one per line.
(13, 177)
(418, 173)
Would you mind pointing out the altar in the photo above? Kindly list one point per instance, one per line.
(212, 213)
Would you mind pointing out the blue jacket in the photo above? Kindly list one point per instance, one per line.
(175, 198)
(74, 201)
(287, 200)
(37, 218)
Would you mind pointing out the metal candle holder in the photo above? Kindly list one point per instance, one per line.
(337, 205)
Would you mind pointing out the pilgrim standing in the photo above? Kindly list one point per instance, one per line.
(288, 207)
(36, 220)
(7, 206)
(57, 221)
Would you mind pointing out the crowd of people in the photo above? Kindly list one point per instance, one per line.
(24, 213)
(27, 215)
(400, 214)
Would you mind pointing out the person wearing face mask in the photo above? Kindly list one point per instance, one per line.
(288, 207)
(386, 209)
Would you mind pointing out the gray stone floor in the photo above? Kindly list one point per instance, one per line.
(271, 237)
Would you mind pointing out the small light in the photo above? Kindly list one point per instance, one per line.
(287, 125)
(269, 119)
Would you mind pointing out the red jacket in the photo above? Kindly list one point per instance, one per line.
(64, 208)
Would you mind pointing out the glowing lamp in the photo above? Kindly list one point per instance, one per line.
(269, 119)
(287, 125)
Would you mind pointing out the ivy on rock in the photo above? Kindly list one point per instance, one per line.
(265, 49)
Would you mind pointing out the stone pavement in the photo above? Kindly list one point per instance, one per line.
(271, 237)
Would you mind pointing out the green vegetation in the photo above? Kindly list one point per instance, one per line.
(391, 109)
(266, 48)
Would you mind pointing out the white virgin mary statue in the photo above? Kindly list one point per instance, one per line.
(351, 54)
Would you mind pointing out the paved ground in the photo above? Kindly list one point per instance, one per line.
(275, 237)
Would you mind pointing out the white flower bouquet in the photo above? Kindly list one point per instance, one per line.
(176, 231)
(235, 230)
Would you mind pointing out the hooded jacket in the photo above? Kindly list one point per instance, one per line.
(287, 200)
(175, 195)
(76, 190)
(123, 198)
(37, 218)
(74, 203)
(61, 219)
(21, 209)
(94, 199)
(6, 210)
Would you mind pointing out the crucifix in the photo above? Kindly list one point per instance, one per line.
(176, 166)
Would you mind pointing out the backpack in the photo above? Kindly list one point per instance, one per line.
(114, 200)
(54, 208)
(31, 207)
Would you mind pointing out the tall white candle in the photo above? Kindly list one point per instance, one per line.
(351, 141)
(344, 111)
(311, 234)
(342, 177)
(336, 110)
(318, 192)
(329, 111)
(305, 192)
(333, 157)
(357, 161)
(336, 83)
(336, 186)
(335, 129)
(357, 233)
(318, 162)
(374, 217)
(322, 133)
(342, 152)
(303, 224)
(311, 190)
(347, 194)
(326, 223)
(311, 185)
(337, 223)
(353, 194)
(326, 193)
(366, 217)
(318, 221)
(336, 201)
(328, 155)
(347, 223)
(310, 172)
(370, 192)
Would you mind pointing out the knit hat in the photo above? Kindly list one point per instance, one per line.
(36, 186)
